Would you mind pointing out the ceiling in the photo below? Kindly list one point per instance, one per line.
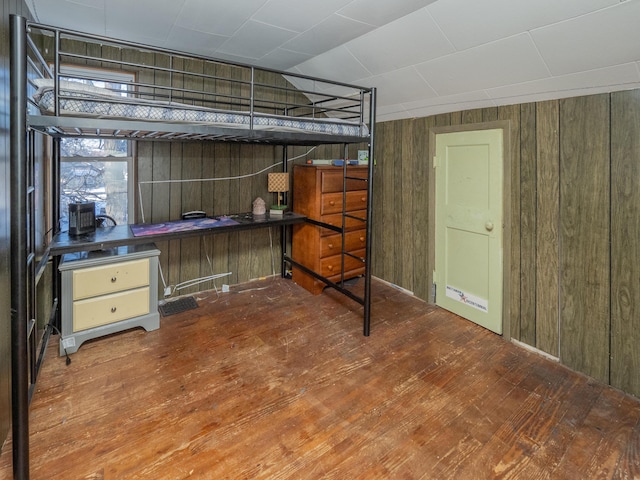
(424, 56)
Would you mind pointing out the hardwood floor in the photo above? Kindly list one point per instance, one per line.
(268, 381)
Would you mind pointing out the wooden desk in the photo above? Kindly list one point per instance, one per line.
(121, 235)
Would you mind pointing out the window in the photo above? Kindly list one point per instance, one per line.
(94, 169)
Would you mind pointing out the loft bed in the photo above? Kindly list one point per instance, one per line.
(223, 102)
(167, 100)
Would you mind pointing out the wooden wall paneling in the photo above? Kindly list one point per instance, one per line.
(419, 184)
(175, 210)
(377, 229)
(265, 243)
(547, 241)
(472, 116)
(445, 119)
(528, 186)
(585, 234)
(403, 212)
(234, 207)
(195, 256)
(245, 199)
(511, 113)
(489, 114)
(190, 258)
(386, 162)
(455, 118)
(221, 206)
(625, 241)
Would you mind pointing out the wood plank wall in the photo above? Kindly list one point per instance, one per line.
(575, 224)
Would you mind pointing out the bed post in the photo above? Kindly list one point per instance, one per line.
(19, 356)
(284, 228)
(367, 261)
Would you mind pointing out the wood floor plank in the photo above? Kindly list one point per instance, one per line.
(270, 382)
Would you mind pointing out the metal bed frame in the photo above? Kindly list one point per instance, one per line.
(334, 100)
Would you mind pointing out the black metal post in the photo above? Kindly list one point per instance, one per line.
(367, 264)
(283, 228)
(19, 353)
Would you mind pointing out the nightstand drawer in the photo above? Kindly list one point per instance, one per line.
(112, 308)
(89, 282)
(332, 202)
(332, 244)
(330, 266)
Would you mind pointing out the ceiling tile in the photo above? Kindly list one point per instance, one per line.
(82, 18)
(281, 59)
(332, 32)
(123, 18)
(512, 60)
(381, 12)
(297, 15)
(400, 86)
(607, 37)
(255, 39)
(339, 65)
(193, 41)
(410, 40)
(216, 16)
(471, 23)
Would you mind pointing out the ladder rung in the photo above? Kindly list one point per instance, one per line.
(354, 256)
(355, 218)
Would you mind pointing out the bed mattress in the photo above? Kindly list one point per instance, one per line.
(82, 100)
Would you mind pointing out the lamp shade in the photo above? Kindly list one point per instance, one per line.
(278, 182)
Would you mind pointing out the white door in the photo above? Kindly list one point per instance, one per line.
(469, 225)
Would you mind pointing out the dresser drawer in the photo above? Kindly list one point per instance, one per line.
(332, 244)
(330, 266)
(100, 280)
(332, 202)
(94, 312)
(350, 223)
(332, 180)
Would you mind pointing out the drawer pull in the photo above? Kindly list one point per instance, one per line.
(113, 309)
(332, 203)
(113, 279)
(330, 268)
(363, 199)
(362, 239)
(330, 245)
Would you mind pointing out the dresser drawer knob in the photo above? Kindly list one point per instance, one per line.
(363, 199)
(113, 309)
(113, 279)
(362, 239)
(330, 268)
(332, 203)
(330, 245)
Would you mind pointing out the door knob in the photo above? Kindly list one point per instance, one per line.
(488, 226)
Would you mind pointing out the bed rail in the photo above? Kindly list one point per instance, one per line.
(179, 96)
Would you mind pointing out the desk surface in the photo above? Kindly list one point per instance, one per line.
(122, 235)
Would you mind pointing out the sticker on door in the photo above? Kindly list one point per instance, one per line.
(468, 299)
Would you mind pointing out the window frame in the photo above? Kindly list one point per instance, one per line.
(115, 76)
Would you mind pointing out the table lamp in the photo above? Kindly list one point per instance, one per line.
(278, 183)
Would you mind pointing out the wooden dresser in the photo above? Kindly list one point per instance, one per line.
(108, 291)
(318, 194)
